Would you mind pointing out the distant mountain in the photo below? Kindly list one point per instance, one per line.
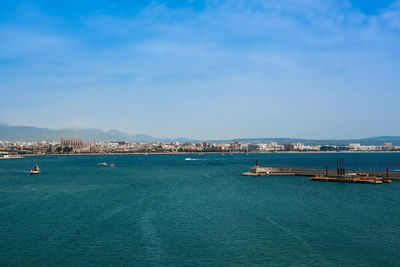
(28, 133)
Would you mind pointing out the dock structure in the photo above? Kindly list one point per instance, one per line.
(327, 173)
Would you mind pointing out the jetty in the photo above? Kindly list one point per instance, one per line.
(322, 174)
(329, 175)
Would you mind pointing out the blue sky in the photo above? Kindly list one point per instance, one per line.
(203, 69)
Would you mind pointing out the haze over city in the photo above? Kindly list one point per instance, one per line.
(203, 69)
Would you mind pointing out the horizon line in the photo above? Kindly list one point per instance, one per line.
(196, 139)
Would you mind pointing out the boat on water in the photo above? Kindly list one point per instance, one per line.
(112, 165)
(35, 170)
(362, 178)
(102, 164)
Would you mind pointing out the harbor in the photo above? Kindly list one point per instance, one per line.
(329, 175)
(180, 200)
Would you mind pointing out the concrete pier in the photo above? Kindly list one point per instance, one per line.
(272, 171)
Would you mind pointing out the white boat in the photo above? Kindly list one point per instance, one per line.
(102, 164)
(35, 170)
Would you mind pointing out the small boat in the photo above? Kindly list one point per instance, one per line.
(35, 170)
(102, 164)
(112, 165)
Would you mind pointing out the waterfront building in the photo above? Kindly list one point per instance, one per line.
(207, 145)
(199, 145)
(73, 143)
(254, 147)
(289, 146)
(355, 146)
(388, 146)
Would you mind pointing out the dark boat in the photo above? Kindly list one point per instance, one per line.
(35, 170)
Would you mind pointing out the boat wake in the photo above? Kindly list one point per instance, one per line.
(14, 171)
(193, 159)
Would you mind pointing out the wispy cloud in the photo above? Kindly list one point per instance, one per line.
(223, 53)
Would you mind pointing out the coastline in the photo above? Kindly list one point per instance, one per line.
(17, 157)
(191, 153)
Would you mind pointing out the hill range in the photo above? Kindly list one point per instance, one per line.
(30, 133)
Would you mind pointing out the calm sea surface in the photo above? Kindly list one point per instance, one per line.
(165, 210)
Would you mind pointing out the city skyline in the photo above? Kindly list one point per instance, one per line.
(78, 146)
(203, 69)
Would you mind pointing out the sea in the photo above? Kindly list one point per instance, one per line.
(195, 210)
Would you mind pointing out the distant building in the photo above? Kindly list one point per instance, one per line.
(388, 146)
(254, 147)
(199, 145)
(207, 145)
(294, 146)
(289, 146)
(355, 146)
(73, 143)
(299, 146)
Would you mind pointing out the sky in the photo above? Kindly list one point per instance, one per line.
(205, 69)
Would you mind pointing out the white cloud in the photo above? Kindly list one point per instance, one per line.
(236, 51)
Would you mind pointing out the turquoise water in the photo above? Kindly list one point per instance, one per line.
(165, 210)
